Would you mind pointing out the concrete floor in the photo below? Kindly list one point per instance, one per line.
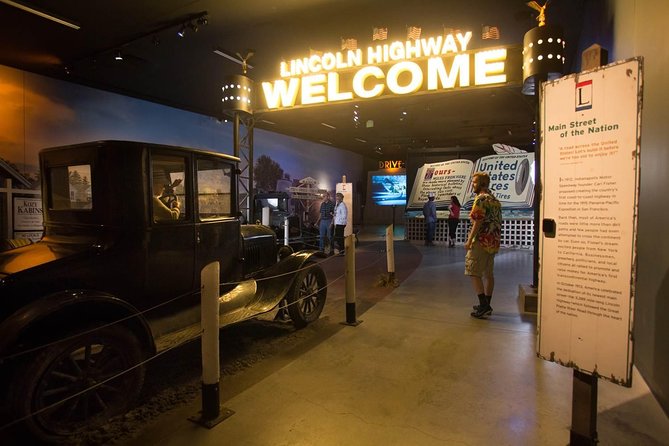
(420, 371)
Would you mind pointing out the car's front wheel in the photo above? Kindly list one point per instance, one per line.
(306, 298)
(79, 382)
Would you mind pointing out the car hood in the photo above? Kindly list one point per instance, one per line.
(45, 251)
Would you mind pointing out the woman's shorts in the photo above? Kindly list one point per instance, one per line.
(479, 262)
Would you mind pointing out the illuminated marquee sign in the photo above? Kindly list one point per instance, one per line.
(432, 64)
(391, 164)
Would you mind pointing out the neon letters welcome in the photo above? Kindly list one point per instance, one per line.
(432, 64)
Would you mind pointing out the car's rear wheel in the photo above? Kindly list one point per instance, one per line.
(79, 382)
(306, 298)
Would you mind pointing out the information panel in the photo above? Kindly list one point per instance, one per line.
(590, 168)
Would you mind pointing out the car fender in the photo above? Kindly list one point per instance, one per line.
(275, 282)
(67, 304)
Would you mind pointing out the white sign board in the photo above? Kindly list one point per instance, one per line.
(590, 168)
(28, 214)
(347, 190)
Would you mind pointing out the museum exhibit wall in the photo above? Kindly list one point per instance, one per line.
(639, 30)
(38, 112)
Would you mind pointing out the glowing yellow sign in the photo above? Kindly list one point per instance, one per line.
(432, 64)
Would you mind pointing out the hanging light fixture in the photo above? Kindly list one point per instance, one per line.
(543, 52)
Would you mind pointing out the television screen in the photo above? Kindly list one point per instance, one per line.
(389, 190)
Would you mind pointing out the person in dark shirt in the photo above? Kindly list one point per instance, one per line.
(430, 214)
(325, 220)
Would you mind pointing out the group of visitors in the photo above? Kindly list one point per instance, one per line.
(430, 214)
(482, 242)
(332, 221)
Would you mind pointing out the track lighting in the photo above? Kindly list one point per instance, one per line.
(182, 24)
(193, 24)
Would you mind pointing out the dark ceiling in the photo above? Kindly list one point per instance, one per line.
(184, 72)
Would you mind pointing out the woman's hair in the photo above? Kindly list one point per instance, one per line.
(455, 200)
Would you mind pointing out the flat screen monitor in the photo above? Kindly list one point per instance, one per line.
(389, 190)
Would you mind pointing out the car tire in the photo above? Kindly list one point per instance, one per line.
(63, 370)
(306, 297)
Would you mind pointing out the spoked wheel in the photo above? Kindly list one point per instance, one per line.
(306, 298)
(79, 383)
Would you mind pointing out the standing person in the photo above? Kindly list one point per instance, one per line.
(453, 220)
(340, 220)
(430, 214)
(483, 243)
(325, 221)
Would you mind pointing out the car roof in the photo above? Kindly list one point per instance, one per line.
(120, 144)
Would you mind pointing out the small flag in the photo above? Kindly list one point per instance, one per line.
(380, 34)
(349, 44)
(413, 33)
(490, 32)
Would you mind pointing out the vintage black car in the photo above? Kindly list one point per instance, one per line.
(116, 277)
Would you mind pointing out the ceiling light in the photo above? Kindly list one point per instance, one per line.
(329, 126)
(360, 140)
(325, 142)
(118, 56)
(182, 31)
(268, 122)
(41, 14)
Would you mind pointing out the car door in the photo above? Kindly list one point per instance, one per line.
(217, 225)
(170, 252)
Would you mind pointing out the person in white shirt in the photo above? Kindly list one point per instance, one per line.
(340, 220)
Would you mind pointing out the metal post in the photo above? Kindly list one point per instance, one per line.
(390, 253)
(235, 135)
(211, 413)
(10, 210)
(583, 430)
(249, 140)
(286, 232)
(349, 275)
(537, 177)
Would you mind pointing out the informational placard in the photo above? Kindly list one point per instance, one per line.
(347, 190)
(28, 214)
(590, 167)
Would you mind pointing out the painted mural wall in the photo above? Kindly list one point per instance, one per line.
(38, 112)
